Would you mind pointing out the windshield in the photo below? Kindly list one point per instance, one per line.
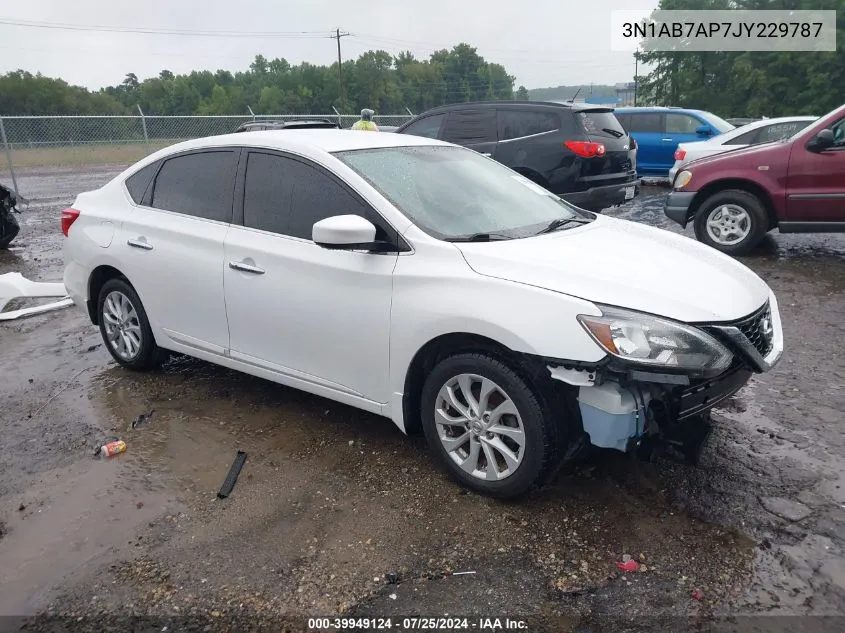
(454, 193)
(719, 123)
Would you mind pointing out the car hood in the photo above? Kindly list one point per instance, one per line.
(751, 150)
(628, 265)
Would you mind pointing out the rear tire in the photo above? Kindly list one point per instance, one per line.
(499, 441)
(731, 221)
(125, 328)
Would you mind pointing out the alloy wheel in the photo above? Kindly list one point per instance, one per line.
(122, 326)
(480, 427)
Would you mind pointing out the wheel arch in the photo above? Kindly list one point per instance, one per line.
(98, 278)
(739, 184)
(442, 347)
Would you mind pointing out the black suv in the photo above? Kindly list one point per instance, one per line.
(310, 124)
(577, 151)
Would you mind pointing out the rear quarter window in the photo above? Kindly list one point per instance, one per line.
(138, 182)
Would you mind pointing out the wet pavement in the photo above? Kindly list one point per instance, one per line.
(336, 513)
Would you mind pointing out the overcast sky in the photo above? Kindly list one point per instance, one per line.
(541, 42)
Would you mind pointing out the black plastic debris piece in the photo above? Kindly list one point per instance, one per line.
(144, 417)
(232, 477)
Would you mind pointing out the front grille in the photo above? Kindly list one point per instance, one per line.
(759, 329)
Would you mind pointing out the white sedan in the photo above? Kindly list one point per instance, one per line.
(764, 131)
(423, 282)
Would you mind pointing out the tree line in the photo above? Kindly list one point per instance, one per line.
(386, 83)
(750, 84)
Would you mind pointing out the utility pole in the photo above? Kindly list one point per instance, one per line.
(636, 70)
(337, 37)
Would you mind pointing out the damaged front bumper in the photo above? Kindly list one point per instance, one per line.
(622, 404)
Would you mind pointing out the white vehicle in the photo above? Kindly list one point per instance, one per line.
(765, 131)
(421, 281)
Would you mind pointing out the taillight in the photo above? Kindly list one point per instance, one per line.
(680, 154)
(68, 217)
(586, 148)
(633, 143)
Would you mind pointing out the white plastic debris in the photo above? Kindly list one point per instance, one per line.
(16, 286)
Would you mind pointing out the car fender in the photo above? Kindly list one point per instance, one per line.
(525, 319)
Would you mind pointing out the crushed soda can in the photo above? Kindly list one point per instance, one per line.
(111, 448)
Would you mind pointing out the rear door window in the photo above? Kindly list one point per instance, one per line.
(470, 127)
(647, 122)
(199, 184)
(517, 124)
(780, 131)
(429, 127)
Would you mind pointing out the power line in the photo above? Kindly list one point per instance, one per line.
(180, 32)
(556, 62)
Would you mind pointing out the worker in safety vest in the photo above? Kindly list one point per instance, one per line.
(366, 122)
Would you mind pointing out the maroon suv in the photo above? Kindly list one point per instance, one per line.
(796, 185)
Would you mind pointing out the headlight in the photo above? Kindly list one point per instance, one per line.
(649, 340)
(682, 179)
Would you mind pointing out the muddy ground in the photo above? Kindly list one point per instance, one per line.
(336, 513)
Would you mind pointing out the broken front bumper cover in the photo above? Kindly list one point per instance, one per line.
(16, 286)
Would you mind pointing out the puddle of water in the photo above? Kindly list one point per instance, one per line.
(74, 517)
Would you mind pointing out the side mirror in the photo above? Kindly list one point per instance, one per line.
(821, 141)
(347, 232)
(704, 130)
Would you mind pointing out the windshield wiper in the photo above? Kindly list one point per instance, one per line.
(481, 237)
(559, 223)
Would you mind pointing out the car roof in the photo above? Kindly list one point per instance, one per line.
(308, 142)
(470, 105)
(632, 109)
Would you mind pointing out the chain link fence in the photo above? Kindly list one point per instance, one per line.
(74, 142)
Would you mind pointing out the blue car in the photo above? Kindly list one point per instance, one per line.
(658, 130)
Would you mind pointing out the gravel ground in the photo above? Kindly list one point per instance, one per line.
(337, 514)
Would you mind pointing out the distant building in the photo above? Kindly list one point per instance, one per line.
(603, 101)
(625, 93)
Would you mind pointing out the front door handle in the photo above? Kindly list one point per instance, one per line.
(487, 154)
(140, 244)
(247, 268)
(668, 140)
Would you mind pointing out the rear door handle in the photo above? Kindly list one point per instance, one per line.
(140, 244)
(247, 268)
(487, 154)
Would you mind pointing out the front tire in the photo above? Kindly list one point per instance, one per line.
(731, 221)
(486, 425)
(125, 328)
